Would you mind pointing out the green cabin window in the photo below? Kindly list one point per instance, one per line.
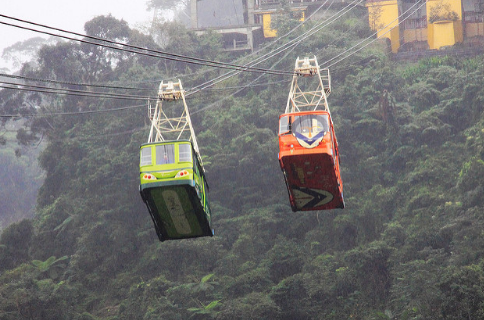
(165, 154)
(184, 153)
(145, 159)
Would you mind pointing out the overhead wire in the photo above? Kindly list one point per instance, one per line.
(98, 135)
(136, 49)
(298, 39)
(214, 104)
(292, 46)
(44, 89)
(35, 115)
(318, 27)
(247, 86)
(375, 33)
(259, 60)
(78, 92)
(92, 137)
(266, 56)
(72, 83)
(264, 48)
(238, 91)
(296, 42)
(293, 43)
(282, 48)
(99, 39)
(85, 84)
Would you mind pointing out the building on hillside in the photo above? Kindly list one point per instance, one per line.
(244, 24)
(229, 18)
(266, 12)
(412, 25)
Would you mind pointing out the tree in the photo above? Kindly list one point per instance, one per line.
(462, 293)
(15, 243)
(100, 59)
(25, 51)
(49, 266)
(179, 8)
(166, 4)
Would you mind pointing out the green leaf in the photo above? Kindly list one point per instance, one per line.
(212, 305)
(206, 278)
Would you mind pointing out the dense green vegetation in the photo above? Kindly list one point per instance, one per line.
(408, 245)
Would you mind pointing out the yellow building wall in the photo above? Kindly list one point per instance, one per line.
(382, 16)
(269, 32)
(266, 26)
(445, 32)
(441, 34)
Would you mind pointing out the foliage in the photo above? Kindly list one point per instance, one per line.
(15, 243)
(50, 265)
(407, 246)
(442, 12)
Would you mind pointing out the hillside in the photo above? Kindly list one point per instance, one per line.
(408, 245)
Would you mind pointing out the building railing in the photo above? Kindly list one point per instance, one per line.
(473, 17)
(269, 4)
(237, 45)
(418, 23)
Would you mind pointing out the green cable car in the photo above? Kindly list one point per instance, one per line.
(172, 177)
(174, 188)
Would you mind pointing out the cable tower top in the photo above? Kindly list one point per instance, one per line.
(315, 93)
(172, 123)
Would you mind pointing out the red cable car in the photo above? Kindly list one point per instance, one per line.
(308, 149)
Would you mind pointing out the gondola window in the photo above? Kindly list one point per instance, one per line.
(165, 154)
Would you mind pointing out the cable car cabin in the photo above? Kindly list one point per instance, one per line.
(174, 188)
(309, 159)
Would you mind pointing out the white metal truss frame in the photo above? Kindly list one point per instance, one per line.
(163, 125)
(313, 99)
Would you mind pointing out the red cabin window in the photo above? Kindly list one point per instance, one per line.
(310, 124)
(284, 125)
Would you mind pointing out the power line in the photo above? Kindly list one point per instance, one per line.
(254, 62)
(212, 82)
(44, 89)
(290, 44)
(276, 51)
(99, 135)
(248, 86)
(114, 87)
(316, 28)
(88, 138)
(376, 32)
(144, 51)
(44, 115)
(71, 83)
